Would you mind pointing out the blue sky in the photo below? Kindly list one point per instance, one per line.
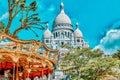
(98, 20)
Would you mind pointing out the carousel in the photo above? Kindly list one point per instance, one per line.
(26, 59)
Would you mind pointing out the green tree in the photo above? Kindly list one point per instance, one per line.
(91, 64)
(78, 57)
(89, 53)
(116, 55)
(99, 67)
(65, 46)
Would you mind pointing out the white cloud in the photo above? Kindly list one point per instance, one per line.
(111, 42)
(4, 16)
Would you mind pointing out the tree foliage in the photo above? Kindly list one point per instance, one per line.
(91, 64)
(66, 46)
(116, 55)
(28, 20)
(2, 27)
(99, 67)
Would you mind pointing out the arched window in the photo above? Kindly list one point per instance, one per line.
(68, 34)
(47, 41)
(78, 47)
(78, 40)
(82, 40)
(62, 43)
(54, 35)
(65, 33)
(58, 34)
(62, 35)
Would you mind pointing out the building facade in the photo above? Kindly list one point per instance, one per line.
(63, 33)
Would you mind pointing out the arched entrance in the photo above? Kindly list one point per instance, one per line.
(6, 67)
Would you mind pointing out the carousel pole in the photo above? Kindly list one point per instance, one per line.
(28, 76)
(29, 70)
(13, 71)
(42, 75)
(17, 78)
(24, 74)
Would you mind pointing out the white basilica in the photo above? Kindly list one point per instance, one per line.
(63, 33)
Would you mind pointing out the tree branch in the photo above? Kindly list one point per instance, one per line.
(16, 13)
(17, 30)
(9, 5)
(10, 18)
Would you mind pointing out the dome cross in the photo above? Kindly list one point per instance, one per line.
(77, 25)
(47, 25)
(62, 7)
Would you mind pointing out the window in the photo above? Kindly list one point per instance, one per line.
(82, 44)
(47, 41)
(65, 33)
(78, 40)
(62, 43)
(81, 40)
(68, 34)
(54, 35)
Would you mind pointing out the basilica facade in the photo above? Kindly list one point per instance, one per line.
(63, 33)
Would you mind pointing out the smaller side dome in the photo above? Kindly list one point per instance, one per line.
(47, 33)
(77, 32)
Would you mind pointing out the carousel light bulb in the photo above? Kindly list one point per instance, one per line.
(29, 70)
(0, 56)
(44, 65)
(15, 59)
(20, 74)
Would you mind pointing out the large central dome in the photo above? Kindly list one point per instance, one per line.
(62, 18)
